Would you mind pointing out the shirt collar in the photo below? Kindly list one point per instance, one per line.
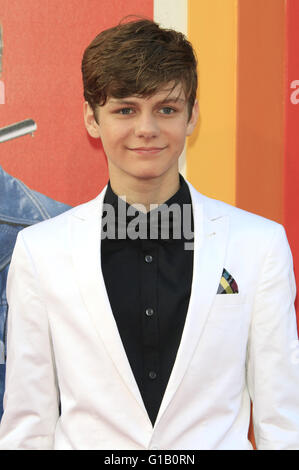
(182, 196)
(170, 227)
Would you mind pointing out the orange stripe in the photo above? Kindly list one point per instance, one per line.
(260, 107)
(212, 29)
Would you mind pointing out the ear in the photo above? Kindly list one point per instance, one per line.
(91, 124)
(193, 119)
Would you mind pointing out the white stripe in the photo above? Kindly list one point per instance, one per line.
(173, 14)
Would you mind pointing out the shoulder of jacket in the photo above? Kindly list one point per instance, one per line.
(61, 221)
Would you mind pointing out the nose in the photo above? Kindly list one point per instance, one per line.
(146, 126)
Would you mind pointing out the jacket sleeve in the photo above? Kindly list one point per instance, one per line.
(31, 402)
(273, 365)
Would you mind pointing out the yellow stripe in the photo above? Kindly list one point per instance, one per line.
(211, 150)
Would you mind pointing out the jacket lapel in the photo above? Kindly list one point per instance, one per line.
(210, 240)
(86, 251)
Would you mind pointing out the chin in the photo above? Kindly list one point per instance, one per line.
(147, 174)
(151, 171)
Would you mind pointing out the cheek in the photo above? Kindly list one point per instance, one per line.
(114, 136)
(178, 135)
(109, 137)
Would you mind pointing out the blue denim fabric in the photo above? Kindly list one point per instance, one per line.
(19, 208)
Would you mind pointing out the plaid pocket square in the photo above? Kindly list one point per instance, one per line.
(227, 284)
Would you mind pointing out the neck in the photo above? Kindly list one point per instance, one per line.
(145, 191)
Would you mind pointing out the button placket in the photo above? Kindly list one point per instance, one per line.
(150, 331)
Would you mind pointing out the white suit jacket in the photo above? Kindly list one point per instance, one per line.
(64, 345)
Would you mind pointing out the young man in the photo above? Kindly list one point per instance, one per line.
(142, 341)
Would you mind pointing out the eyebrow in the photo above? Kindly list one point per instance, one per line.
(121, 101)
(173, 99)
(132, 102)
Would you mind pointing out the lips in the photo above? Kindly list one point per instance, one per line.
(146, 150)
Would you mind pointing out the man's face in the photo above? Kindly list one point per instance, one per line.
(143, 137)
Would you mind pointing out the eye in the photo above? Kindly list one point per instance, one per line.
(125, 111)
(167, 110)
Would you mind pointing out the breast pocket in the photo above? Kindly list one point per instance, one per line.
(229, 312)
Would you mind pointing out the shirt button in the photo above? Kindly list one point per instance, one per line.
(149, 312)
(152, 375)
(148, 258)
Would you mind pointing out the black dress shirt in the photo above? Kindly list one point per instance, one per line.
(148, 281)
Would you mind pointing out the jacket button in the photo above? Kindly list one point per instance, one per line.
(148, 258)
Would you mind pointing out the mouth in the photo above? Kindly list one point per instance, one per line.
(146, 150)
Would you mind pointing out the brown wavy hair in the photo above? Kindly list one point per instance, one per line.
(138, 58)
